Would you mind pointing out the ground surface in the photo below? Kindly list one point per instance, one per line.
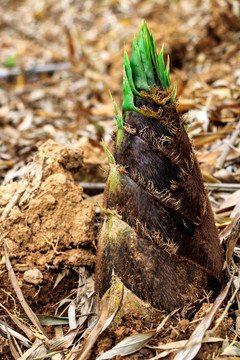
(57, 62)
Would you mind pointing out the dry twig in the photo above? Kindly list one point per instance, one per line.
(20, 296)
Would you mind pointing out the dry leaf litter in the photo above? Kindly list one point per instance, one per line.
(57, 62)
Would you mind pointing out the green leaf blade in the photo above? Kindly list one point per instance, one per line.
(138, 71)
(128, 99)
(144, 49)
(161, 67)
(129, 74)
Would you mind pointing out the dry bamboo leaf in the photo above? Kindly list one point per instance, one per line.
(60, 276)
(101, 325)
(38, 348)
(230, 202)
(226, 150)
(12, 346)
(207, 139)
(73, 352)
(21, 326)
(7, 329)
(13, 349)
(223, 187)
(103, 110)
(228, 358)
(172, 347)
(233, 237)
(103, 322)
(236, 285)
(232, 350)
(195, 341)
(58, 331)
(129, 345)
(86, 309)
(134, 343)
(162, 354)
(230, 236)
(236, 210)
(161, 325)
(187, 104)
(209, 178)
(225, 176)
(62, 302)
(51, 355)
(182, 343)
(49, 319)
(64, 342)
(72, 316)
(209, 157)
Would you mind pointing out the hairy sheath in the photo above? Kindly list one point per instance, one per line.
(158, 235)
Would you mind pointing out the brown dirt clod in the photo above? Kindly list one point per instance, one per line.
(50, 222)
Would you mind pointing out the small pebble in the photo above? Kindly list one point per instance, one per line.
(33, 276)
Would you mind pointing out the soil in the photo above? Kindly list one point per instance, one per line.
(178, 328)
(49, 215)
(43, 299)
(50, 223)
